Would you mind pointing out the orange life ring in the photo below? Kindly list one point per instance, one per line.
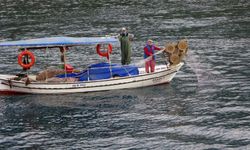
(30, 55)
(104, 54)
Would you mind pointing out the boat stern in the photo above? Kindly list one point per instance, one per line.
(4, 88)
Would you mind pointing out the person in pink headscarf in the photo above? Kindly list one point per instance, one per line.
(149, 52)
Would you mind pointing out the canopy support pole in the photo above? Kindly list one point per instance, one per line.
(110, 67)
(46, 68)
(64, 61)
(109, 61)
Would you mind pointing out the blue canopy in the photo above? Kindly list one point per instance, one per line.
(61, 41)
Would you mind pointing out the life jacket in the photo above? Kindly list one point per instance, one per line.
(151, 49)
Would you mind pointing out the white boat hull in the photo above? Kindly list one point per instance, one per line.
(162, 75)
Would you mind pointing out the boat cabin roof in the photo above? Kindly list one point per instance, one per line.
(60, 41)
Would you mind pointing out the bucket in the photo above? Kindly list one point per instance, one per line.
(175, 59)
(170, 47)
(182, 44)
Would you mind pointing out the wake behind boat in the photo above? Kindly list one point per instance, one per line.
(96, 77)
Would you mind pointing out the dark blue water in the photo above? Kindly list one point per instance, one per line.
(206, 106)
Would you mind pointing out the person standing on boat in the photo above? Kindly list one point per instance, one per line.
(149, 52)
(125, 39)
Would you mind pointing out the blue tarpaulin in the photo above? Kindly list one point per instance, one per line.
(102, 71)
(61, 41)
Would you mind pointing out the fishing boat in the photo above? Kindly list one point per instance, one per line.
(96, 77)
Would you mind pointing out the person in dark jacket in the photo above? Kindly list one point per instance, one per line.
(149, 52)
(125, 39)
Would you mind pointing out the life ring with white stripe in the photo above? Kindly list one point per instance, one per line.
(30, 56)
(101, 53)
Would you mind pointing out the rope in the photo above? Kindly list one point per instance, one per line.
(126, 71)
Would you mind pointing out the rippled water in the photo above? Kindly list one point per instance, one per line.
(206, 106)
